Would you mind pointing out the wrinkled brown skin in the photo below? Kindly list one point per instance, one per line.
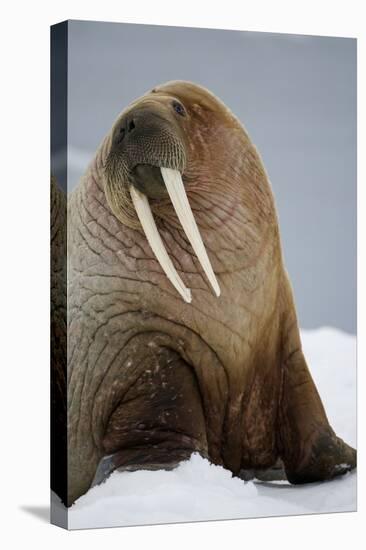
(152, 379)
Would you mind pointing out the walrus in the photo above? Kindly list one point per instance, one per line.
(182, 329)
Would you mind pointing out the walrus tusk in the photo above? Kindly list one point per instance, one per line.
(175, 187)
(147, 221)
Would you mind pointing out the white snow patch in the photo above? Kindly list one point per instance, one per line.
(197, 490)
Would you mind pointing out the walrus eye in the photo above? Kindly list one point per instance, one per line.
(178, 108)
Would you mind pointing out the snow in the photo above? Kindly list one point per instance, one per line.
(197, 490)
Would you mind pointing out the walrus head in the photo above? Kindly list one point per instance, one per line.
(162, 147)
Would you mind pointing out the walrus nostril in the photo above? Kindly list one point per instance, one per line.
(119, 136)
(126, 127)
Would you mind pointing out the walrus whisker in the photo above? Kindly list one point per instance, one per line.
(175, 187)
(147, 221)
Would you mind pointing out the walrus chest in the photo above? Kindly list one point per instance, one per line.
(131, 323)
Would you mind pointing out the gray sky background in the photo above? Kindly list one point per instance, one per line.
(296, 96)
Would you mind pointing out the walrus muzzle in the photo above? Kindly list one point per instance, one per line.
(146, 160)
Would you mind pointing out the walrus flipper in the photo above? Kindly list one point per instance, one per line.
(309, 448)
(311, 451)
(275, 473)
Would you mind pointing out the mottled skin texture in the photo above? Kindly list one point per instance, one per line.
(152, 379)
